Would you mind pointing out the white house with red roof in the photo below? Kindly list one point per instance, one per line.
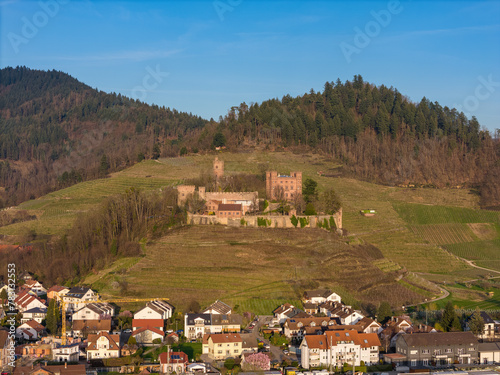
(31, 330)
(26, 301)
(173, 362)
(35, 286)
(103, 345)
(335, 348)
(147, 330)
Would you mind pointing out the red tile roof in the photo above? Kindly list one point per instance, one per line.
(175, 357)
(114, 341)
(148, 323)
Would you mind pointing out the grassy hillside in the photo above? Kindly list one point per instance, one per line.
(415, 230)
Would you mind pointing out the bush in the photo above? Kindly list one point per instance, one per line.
(303, 221)
(294, 221)
(243, 222)
(332, 223)
(310, 210)
(229, 364)
(261, 222)
(157, 341)
(132, 341)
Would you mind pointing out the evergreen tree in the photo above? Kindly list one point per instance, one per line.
(52, 317)
(309, 190)
(384, 312)
(476, 322)
(449, 317)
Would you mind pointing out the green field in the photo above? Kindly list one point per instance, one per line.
(415, 230)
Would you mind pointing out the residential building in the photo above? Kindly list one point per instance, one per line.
(230, 210)
(212, 206)
(218, 307)
(66, 353)
(441, 349)
(42, 369)
(94, 311)
(288, 311)
(35, 286)
(57, 292)
(320, 296)
(147, 335)
(197, 325)
(296, 328)
(283, 185)
(173, 362)
(335, 348)
(36, 313)
(157, 309)
(147, 330)
(103, 345)
(82, 328)
(369, 325)
(346, 314)
(31, 330)
(489, 326)
(221, 346)
(76, 296)
(489, 352)
(25, 301)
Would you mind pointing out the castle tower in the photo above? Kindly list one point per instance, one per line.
(218, 168)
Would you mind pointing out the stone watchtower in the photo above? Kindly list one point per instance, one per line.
(218, 168)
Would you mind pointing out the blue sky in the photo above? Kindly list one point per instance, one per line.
(206, 56)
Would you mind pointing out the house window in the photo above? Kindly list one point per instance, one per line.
(413, 362)
(449, 350)
(425, 351)
(425, 362)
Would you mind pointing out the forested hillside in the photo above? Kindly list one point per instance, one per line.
(378, 134)
(55, 131)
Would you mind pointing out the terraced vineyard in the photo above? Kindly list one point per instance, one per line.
(403, 230)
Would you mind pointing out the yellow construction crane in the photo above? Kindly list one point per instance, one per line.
(98, 300)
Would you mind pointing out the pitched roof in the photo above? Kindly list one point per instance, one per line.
(114, 341)
(220, 307)
(35, 325)
(283, 308)
(207, 318)
(219, 338)
(366, 322)
(98, 308)
(24, 299)
(308, 294)
(175, 357)
(232, 319)
(439, 338)
(316, 341)
(77, 291)
(56, 288)
(148, 323)
(229, 207)
(35, 310)
(93, 325)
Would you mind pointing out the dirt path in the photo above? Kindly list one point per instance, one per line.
(444, 292)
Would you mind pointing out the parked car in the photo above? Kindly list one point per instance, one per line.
(128, 330)
(285, 352)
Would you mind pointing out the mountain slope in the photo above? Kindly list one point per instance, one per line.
(50, 123)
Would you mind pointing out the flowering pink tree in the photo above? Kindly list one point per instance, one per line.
(256, 361)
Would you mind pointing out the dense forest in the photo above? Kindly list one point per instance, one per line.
(378, 134)
(56, 131)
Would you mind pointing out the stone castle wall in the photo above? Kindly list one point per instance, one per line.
(272, 221)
